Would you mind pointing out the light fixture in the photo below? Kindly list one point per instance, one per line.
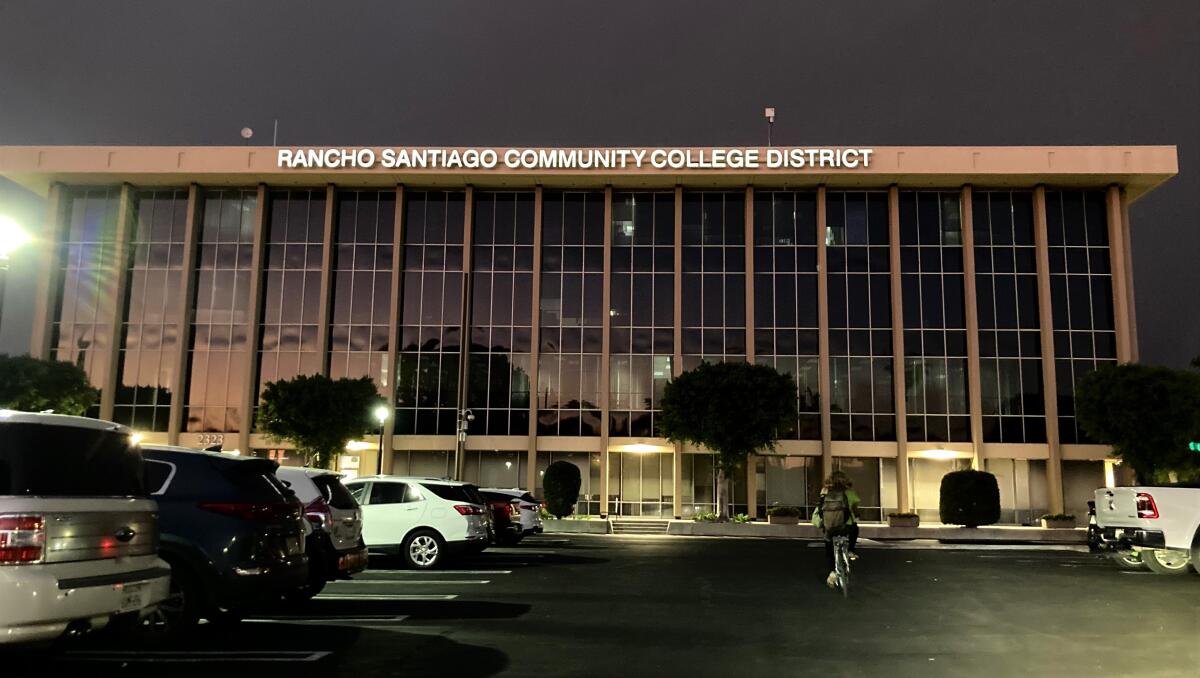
(12, 236)
(381, 414)
(358, 446)
(136, 438)
(940, 454)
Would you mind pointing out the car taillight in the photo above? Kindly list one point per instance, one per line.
(467, 510)
(530, 507)
(514, 510)
(317, 512)
(1146, 508)
(263, 512)
(22, 538)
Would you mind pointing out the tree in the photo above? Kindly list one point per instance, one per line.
(970, 498)
(1148, 414)
(317, 414)
(561, 484)
(734, 409)
(33, 385)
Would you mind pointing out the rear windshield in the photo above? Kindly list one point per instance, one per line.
(258, 481)
(68, 461)
(335, 492)
(465, 493)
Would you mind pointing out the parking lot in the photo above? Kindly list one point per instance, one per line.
(575, 605)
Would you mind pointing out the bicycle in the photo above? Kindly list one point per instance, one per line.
(841, 563)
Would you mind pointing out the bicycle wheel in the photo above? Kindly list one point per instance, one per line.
(842, 565)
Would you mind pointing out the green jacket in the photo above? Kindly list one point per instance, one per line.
(852, 499)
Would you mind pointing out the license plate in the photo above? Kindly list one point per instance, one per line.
(294, 546)
(131, 597)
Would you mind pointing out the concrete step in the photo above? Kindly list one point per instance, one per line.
(640, 526)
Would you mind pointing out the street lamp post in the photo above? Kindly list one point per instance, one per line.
(465, 417)
(11, 237)
(381, 415)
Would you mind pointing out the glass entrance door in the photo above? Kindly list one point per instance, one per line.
(641, 484)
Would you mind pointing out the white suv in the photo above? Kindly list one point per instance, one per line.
(531, 516)
(78, 534)
(423, 519)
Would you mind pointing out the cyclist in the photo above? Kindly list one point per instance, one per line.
(836, 514)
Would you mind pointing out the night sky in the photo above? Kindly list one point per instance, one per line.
(626, 73)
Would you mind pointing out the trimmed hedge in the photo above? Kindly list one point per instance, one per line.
(561, 484)
(784, 511)
(969, 498)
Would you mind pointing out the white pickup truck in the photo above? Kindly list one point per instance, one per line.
(1160, 526)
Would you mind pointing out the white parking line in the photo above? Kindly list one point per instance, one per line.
(427, 573)
(383, 596)
(518, 551)
(198, 656)
(333, 619)
(407, 582)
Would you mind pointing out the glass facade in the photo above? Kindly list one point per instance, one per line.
(786, 334)
(572, 308)
(362, 277)
(1081, 296)
(154, 311)
(642, 317)
(218, 350)
(713, 313)
(935, 323)
(860, 316)
(430, 313)
(1007, 300)
(501, 313)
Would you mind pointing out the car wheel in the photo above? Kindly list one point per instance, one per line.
(305, 593)
(423, 550)
(1128, 560)
(180, 611)
(1166, 561)
(1196, 552)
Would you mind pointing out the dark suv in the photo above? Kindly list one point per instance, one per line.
(231, 531)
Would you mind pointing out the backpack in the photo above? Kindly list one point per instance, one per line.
(834, 510)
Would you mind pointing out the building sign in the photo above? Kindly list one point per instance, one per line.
(581, 159)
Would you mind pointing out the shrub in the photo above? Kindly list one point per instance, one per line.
(706, 517)
(561, 484)
(741, 518)
(784, 511)
(969, 498)
(1058, 516)
(909, 514)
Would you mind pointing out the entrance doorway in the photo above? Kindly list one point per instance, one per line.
(641, 484)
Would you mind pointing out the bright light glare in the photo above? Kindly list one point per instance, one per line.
(11, 236)
(939, 454)
(381, 413)
(358, 446)
(136, 438)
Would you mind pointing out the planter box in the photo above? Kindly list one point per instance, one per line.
(578, 526)
(1058, 524)
(783, 520)
(904, 521)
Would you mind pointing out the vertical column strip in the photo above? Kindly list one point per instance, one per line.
(253, 337)
(898, 375)
(677, 358)
(49, 281)
(464, 349)
(121, 259)
(1049, 379)
(536, 343)
(971, 310)
(393, 354)
(1131, 298)
(752, 460)
(606, 343)
(823, 336)
(1116, 250)
(187, 287)
(325, 305)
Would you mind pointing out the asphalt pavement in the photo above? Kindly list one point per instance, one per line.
(576, 605)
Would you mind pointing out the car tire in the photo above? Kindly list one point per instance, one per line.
(182, 609)
(1128, 560)
(1196, 552)
(1166, 561)
(423, 550)
(305, 593)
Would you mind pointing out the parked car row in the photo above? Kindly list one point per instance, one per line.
(97, 530)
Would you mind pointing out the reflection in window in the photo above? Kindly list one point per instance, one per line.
(431, 313)
(154, 311)
(217, 355)
(1009, 338)
(714, 280)
(785, 298)
(82, 330)
(571, 308)
(362, 279)
(501, 313)
(642, 335)
(935, 337)
(1081, 296)
(860, 316)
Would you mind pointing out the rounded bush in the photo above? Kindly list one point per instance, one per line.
(784, 511)
(969, 498)
(561, 484)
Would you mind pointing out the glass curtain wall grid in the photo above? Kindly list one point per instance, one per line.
(713, 313)
(860, 316)
(641, 343)
(154, 311)
(431, 313)
(501, 313)
(935, 324)
(362, 272)
(1081, 295)
(785, 298)
(571, 308)
(1006, 291)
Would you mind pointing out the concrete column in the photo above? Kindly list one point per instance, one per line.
(898, 376)
(536, 342)
(751, 475)
(50, 265)
(187, 286)
(1126, 235)
(677, 358)
(325, 305)
(464, 352)
(1120, 277)
(971, 310)
(605, 377)
(1049, 378)
(250, 385)
(122, 253)
(393, 354)
(823, 337)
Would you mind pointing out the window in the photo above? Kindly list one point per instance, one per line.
(157, 475)
(358, 491)
(714, 279)
(388, 493)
